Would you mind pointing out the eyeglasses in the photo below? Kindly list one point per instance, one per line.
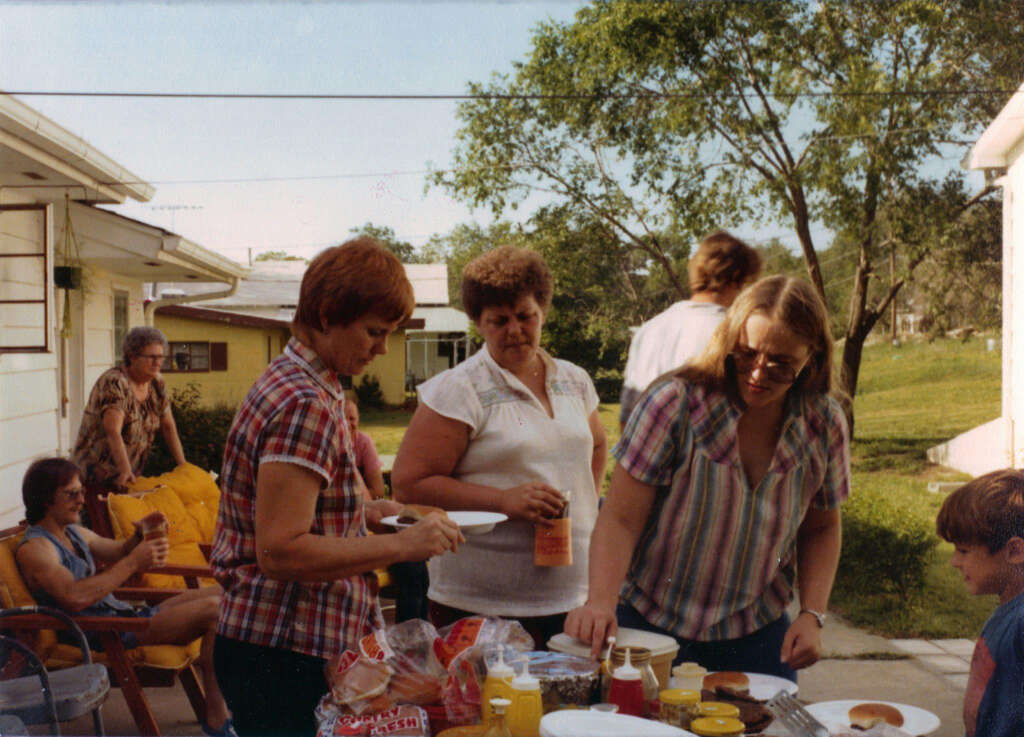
(72, 494)
(153, 357)
(746, 359)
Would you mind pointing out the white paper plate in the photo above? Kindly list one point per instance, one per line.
(585, 723)
(836, 715)
(764, 686)
(471, 523)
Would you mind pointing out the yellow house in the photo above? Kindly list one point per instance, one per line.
(223, 353)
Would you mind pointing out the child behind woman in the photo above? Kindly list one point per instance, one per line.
(984, 519)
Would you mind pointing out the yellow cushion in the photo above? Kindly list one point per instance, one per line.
(173, 657)
(383, 577)
(124, 509)
(14, 592)
(186, 554)
(197, 491)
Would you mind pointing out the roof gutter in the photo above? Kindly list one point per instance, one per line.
(63, 151)
(151, 307)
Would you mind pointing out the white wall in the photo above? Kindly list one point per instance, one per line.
(1013, 304)
(29, 423)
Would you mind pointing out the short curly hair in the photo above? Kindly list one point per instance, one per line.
(139, 339)
(721, 261)
(503, 275)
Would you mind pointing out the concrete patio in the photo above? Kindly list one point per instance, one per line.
(857, 665)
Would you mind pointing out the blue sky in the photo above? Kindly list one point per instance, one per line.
(326, 166)
(277, 47)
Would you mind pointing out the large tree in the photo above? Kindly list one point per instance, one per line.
(405, 251)
(680, 116)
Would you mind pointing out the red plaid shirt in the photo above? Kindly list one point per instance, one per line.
(294, 413)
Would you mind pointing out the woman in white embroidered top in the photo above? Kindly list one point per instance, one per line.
(508, 430)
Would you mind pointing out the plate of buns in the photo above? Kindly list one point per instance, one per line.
(866, 714)
(470, 523)
(760, 686)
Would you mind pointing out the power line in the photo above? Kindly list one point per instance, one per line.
(424, 97)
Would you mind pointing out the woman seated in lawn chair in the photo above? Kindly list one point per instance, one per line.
(58, 560)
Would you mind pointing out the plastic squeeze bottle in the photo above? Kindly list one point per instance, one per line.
(497, 727)
(526, 709)
(627, 690)
(498, 684)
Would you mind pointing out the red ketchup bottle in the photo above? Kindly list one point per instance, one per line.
(627, 689)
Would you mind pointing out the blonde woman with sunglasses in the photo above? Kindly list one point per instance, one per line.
(726, 493)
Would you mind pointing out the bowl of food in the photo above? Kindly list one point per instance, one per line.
(564, 679)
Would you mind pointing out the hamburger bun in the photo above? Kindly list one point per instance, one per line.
(866, 716)
(412, 513)
(730, 679)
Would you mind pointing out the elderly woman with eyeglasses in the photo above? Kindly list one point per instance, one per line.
(726, 495)
(127, 405)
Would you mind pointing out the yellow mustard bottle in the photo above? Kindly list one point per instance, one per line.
(526, 709)
(498, 684)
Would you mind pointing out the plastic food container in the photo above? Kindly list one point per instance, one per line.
(717, 727)
(564, 679)
(679, 707)
(688, 676)
(718, 709)
(663, 649)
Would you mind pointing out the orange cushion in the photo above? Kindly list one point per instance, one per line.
(173, 657)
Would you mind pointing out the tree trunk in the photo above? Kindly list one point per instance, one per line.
(803, 231)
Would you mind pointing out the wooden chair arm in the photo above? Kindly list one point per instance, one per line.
(173, 569)
(88, 623)
(148, 595)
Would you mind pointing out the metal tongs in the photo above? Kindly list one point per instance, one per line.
(794, 717)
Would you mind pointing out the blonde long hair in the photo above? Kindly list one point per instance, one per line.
(788, 300)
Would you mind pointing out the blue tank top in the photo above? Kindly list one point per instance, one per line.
(81, 564)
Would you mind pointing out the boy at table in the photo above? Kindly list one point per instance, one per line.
(984, 519)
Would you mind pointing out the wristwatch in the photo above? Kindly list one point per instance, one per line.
(819, 617)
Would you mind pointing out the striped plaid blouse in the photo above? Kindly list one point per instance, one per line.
(717, 559)
(294, 413)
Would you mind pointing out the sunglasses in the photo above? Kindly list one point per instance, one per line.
(73, 494)
(746, 360)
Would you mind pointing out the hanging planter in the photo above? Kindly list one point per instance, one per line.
(67, 277)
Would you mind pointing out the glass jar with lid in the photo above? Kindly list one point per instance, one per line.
(679, 706)
(717, 727)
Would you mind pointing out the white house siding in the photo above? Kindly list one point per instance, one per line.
(29, 425)
(1013, 302)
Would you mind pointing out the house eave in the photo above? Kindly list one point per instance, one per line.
(1002, 136)
(34, 135)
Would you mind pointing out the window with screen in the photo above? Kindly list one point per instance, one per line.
(195, 356)
(24, 306)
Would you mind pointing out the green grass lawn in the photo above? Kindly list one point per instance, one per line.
(909, 399)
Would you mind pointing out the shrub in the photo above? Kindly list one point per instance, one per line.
(887, 542)
(203, 432)
(368, 393)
